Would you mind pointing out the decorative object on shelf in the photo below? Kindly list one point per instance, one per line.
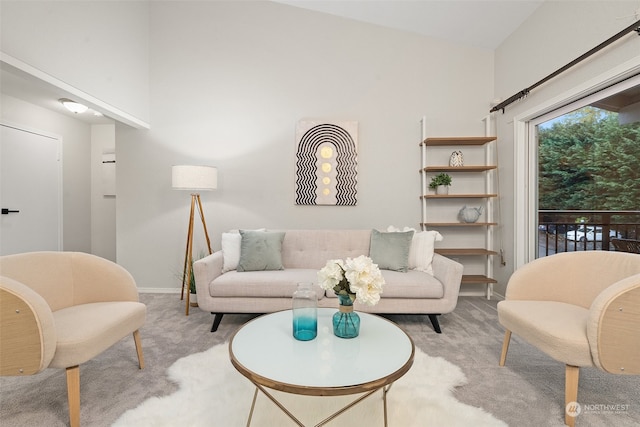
(354, 278)
(193, 178)
(305, 312)
(326, 163)
(483, 173)
(456, 159)
(441, 183)
(442, 190)
(470, 215)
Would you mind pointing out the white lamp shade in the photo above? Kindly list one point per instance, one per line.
(189, 177)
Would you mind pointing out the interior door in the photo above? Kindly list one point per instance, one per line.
(30, 191)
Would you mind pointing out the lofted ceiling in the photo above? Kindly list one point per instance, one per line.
(479, 23)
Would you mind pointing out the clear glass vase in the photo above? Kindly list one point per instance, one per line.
(305, 312)
(346, 322)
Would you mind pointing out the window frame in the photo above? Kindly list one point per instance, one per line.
(525, 224)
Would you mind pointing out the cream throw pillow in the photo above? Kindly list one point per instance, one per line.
(422, 248)
(230, 243)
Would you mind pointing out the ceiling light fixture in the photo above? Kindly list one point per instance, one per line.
(74, 107)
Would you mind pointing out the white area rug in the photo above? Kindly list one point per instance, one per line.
(213, 393)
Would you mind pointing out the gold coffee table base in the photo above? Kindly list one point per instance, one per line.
(331, 417)
(265, 352)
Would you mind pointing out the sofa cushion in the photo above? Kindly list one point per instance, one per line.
(391, 250)
(263, 284)
(412, 284)
(313, 248)
(260, 250)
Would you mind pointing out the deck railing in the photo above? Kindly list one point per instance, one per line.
(583, 230)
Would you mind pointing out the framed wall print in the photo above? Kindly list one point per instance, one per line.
(326, 163)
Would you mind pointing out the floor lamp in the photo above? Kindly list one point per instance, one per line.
(194, 179)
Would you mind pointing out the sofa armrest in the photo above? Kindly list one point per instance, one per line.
(204, 271)
(449, 273)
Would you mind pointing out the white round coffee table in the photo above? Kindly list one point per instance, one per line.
(265, 352)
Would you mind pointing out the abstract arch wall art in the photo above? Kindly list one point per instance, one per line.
(326, 163)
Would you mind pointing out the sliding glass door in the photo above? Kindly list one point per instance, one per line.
(587, 171)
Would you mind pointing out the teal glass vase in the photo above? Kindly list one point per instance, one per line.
(346, 322)
(305, 312)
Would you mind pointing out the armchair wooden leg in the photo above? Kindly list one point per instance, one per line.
(73, 395)
(572, 375)
(136, 338)
(505, 347)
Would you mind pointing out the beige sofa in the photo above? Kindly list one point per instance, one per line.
(303, 253)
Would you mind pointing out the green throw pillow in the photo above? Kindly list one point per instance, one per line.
(260, 250)
(391, 250)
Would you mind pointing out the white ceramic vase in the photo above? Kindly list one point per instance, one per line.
(442, 189)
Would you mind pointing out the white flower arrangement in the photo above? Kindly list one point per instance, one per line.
(359, 278)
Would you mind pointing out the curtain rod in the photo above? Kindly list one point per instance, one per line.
(633, 27)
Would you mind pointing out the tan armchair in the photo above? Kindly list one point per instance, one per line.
(580, 308)
(61, 309)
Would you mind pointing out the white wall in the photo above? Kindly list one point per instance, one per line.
(558, 32)
(230, 80)
(103, 207)
(99, 47)
(76, 181)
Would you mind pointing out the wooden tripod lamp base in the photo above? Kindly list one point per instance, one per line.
(194, 178)
(187, 272)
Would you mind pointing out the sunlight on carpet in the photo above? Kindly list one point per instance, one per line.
(213, 393)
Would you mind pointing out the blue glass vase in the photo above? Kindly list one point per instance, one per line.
(346, 322)
(305, 312)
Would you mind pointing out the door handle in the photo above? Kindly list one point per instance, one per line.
(6, 211)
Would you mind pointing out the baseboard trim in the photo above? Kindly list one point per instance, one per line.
(178, 290)
(159, 290)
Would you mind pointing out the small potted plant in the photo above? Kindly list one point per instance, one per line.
(193, 299)
(441, 183)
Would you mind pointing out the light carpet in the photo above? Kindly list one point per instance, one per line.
(213, 393)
